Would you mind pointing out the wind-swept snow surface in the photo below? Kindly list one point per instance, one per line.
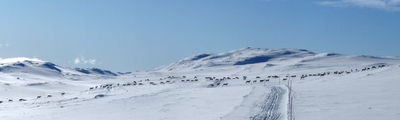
(244, 84)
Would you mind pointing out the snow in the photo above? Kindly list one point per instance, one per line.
(357, 95)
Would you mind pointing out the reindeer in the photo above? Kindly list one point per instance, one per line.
(254, 81)
(284, 79)
(49, 96)
(22, 99)
(1, 101)
(10, 100)
(258, 77)
(152, 83)
(63, 93)
(225, 84)
(38, 97)
(248, 81)
(261, 80)
(161, 82)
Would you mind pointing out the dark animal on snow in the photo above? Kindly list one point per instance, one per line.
(22, 99)
(248, 81)
(49, 95)
(38, 97)
(225, 84)
(152, 83)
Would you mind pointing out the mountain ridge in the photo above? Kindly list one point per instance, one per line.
(267, 58)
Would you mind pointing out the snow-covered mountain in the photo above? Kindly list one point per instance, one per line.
(290, 59)
(243, 56)
(337, 86)
(27, 66)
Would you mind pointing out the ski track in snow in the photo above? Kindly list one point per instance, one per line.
(270, 108)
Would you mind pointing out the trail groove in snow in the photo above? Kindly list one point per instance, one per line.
(270, 108)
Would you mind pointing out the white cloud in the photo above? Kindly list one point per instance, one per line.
(82, 60)
(388, 5)
(4, 45)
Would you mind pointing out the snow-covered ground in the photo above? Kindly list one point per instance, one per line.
(352, 95)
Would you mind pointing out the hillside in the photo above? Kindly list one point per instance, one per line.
(317, 86)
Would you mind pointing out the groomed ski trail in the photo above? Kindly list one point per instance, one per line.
(273, 107)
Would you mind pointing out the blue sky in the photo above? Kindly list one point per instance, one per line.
(144, 34)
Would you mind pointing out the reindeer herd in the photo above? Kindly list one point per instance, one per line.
(222, 81)
(341, 72)
(38, 97)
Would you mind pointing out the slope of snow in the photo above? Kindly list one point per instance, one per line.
(244, 56)
(354, 94)
(367, 95)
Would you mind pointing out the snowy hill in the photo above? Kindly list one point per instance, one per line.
(243, 56)
(249, 83)
(29, 66)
